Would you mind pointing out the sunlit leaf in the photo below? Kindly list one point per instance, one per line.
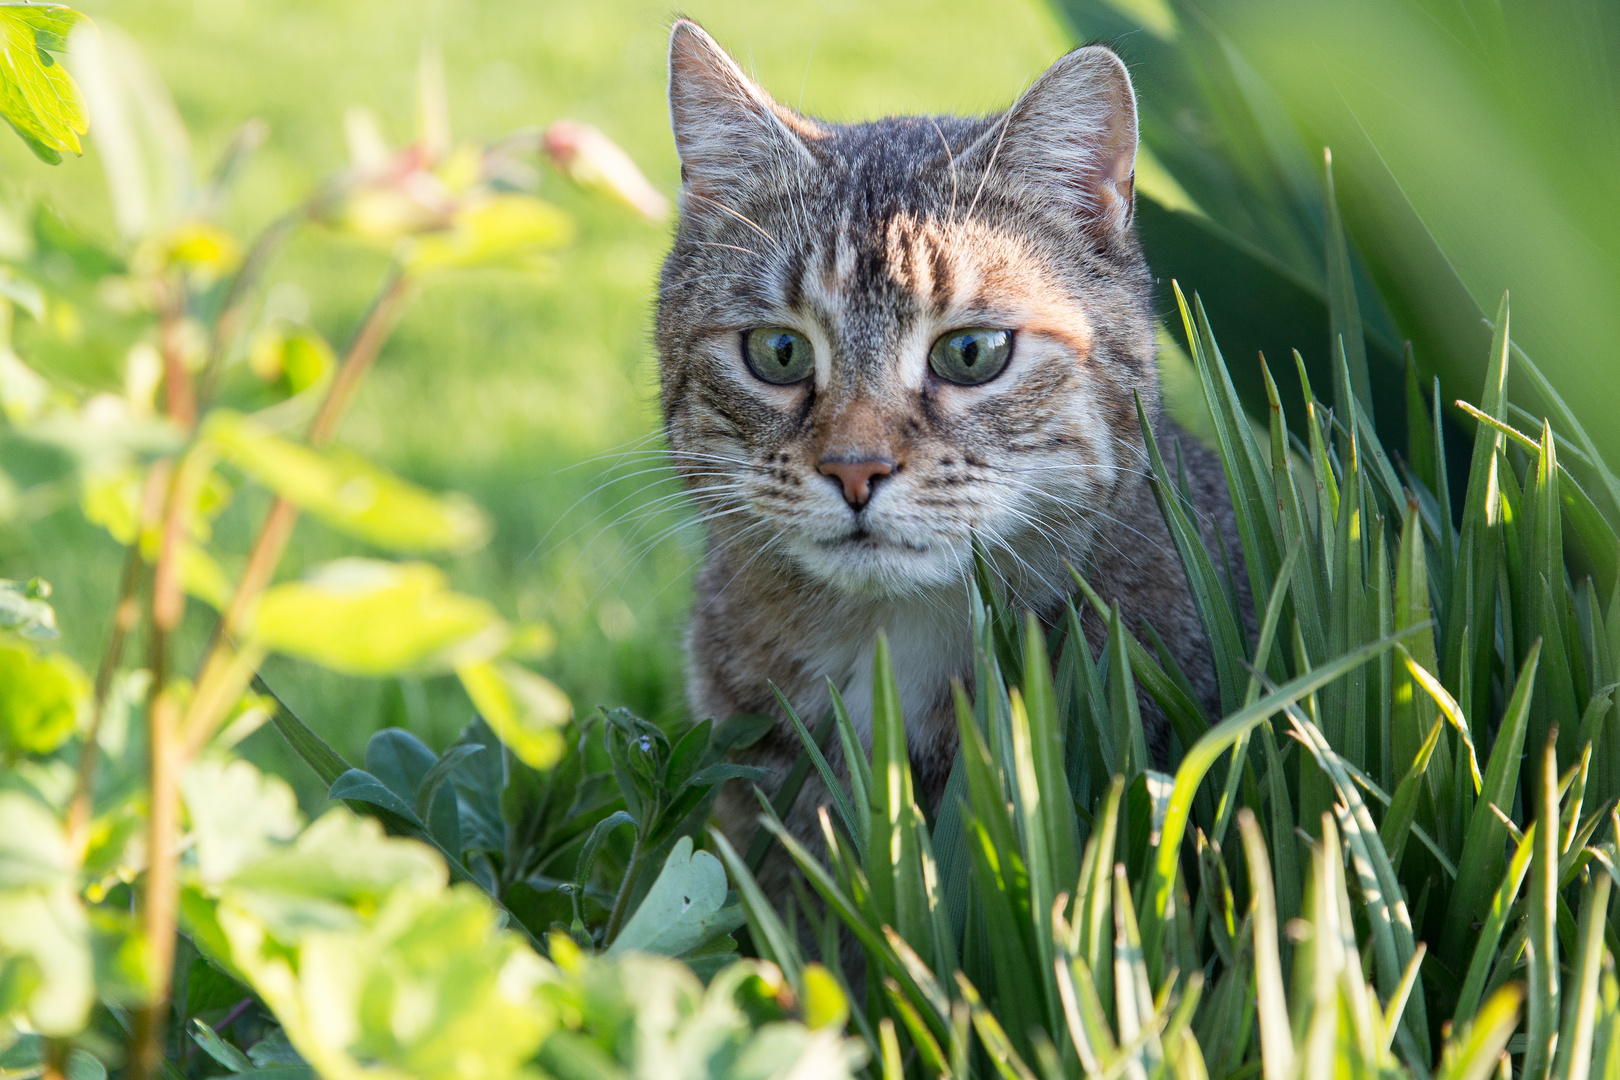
(44, 933)
(683, 909)
(526, 710)
(347, 492)
(41, 698)
(376, 618)
(37, 96)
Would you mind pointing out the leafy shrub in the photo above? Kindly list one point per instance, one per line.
(332, 946)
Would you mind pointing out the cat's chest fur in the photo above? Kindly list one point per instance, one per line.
(753, 632)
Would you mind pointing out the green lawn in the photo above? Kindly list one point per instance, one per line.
(516, 390)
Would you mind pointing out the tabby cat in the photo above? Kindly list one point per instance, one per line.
(880, 341)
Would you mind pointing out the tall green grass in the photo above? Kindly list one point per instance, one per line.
(1392, 854)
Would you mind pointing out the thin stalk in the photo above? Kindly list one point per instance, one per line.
(622, 901)
(125, 616)
(278, 524)
(222, 670)
(177, 389)
(159, 897)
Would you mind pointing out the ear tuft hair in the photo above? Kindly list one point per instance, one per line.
(1073, 135)
(726, 127)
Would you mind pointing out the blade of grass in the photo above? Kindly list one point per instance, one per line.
(1480, 865)
(1196, 764)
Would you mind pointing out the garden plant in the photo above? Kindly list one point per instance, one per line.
(1392, 854)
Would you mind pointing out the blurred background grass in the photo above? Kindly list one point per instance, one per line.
(516, 390)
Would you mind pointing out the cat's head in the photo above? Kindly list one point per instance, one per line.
(880, 340)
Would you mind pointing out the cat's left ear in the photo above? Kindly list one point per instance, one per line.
(728, 131)
(1073, 136)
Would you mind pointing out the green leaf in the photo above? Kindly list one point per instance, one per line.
(347, 492)
(1480, 865)
(1580, 1014)
(218, 1049)
(1203, 755)
(773, 939)
(364, 617)
(357, 785)
(41, 699)
(1542, 943)
(238, 816)
(527, 711)
(1276, 1037)
(44, 933)
(846, 809)
(400, 760)
(24, 612)
(684, 907)
(37, 96)
(326, 762)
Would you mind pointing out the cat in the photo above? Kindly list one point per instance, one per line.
(880, 341)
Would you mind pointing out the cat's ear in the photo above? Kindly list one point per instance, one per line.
(727, 129)
(1073, 136)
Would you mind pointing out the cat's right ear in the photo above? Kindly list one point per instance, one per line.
(728, 131)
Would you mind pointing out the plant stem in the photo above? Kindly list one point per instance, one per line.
(223, 675)
(621, 901)
(278, 523)
(177, 389)
(159, 897)
(126, 616)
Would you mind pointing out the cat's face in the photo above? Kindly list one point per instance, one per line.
(880, 341)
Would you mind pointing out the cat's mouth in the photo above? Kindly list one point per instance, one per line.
(862, 537)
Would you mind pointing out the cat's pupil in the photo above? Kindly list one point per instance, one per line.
(782, 347)
(969, 348)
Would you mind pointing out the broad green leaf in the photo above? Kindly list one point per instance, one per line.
(347, 492)
(45, 934)
(526, 710)
(37, 96)
(400, 760)
(357, 785)
(238, 816)
(217, 1048)
(42, 699)
(683, 909)
(24, 611)
(365, 617)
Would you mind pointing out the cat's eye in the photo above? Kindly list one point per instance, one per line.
(778, 355)
(971, 356)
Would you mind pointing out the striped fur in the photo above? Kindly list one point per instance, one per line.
(873, 239)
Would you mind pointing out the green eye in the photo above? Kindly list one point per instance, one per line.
(778, 355)
(971, 356)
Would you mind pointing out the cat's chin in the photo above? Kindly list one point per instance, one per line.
(872, 566)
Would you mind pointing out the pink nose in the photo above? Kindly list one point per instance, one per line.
(857, 477)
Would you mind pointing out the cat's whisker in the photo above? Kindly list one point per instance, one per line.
(593, 493)
(729, 247)
(744, 218)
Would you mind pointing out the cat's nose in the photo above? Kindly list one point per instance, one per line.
(857, 477)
